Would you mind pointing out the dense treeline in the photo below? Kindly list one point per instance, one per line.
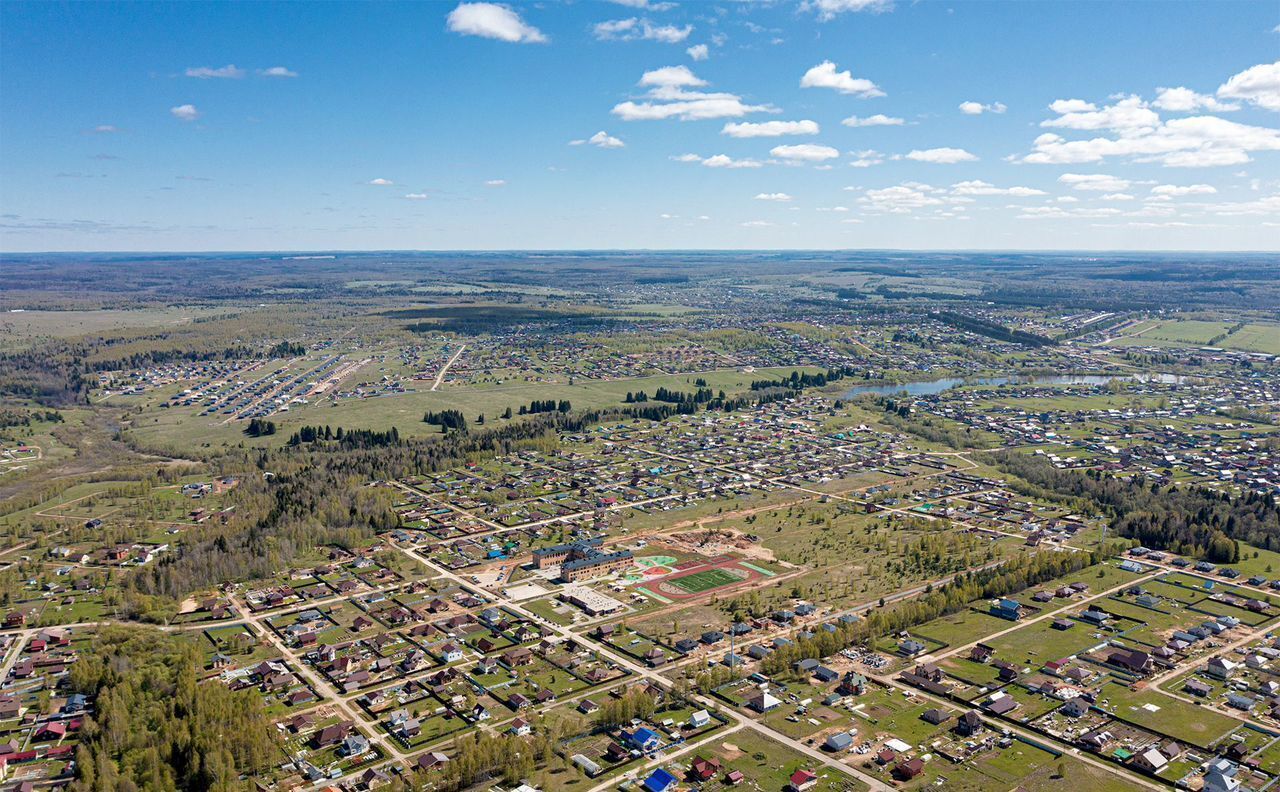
(446, 419)
(346, 438)
(617, 711)
(801, 380)
(993, 330)
(546, 406)
(154, 728)
(14, 417)
(1011, 577)
(53, 376)
(1188, 520)
(288, 349)
(260, 427)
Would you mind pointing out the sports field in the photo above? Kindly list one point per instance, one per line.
(706, 580)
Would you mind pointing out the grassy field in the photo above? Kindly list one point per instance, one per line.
(19, 329)
(183, 428)
(1255, 338)
(1186, 723)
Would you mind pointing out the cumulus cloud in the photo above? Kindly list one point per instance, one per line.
(277, 71)
(1129, 115)
(491, 20)
(1179, 190)
(1131, 128)
(645, 4)
(780, 197)
(496, 183)
(601, 139)
(1194, 141)
(756, 224)
(941, 156)
(978, 108)
(1185, 100)
(719, 161)
(866, 158)
(671, 77)
(417, 196)
(804, 152)
(1097, 182)
(828, 10)
(228, 72)
(979, 187)
(747, 129)
(186, 112)
(824, 75)
(901, 199)
(632, 29)
(670, 96)
(1259, 85)
(1117, 197)
(381, 182)
(699, 52)
(879, 119)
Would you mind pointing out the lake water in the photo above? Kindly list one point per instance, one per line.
(930, 387)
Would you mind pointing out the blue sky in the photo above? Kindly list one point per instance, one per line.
(252, 126)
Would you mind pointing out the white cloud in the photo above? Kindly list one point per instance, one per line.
(879, 119)
(1064, 106)
(1270, 205)
(668, 34)
(1185, 100)
(186, 112)
(615, 28)
(719, 161)
(1058, 212)
(866, 158)
(1130, 115)
(978, 187)
(828, 10)
(645, 4)
(671, 77)
(601, 139)
(824, 75)
(496, 183)
(105, 129)
(668, 97)
(699, 52)
(1117, 197)
(277, 71)
(978, 108)
(1097, 182)
(1259, 85)
(1194, 141)
(747, 129)
(1178, 190)
(756, 224)
(632, 29)
(901, 199)
(381, 182)
(941, 156)
(804, 152)
(832, 209)
(417, 196)
(228, 72)
(491, 20)
(780, 197)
